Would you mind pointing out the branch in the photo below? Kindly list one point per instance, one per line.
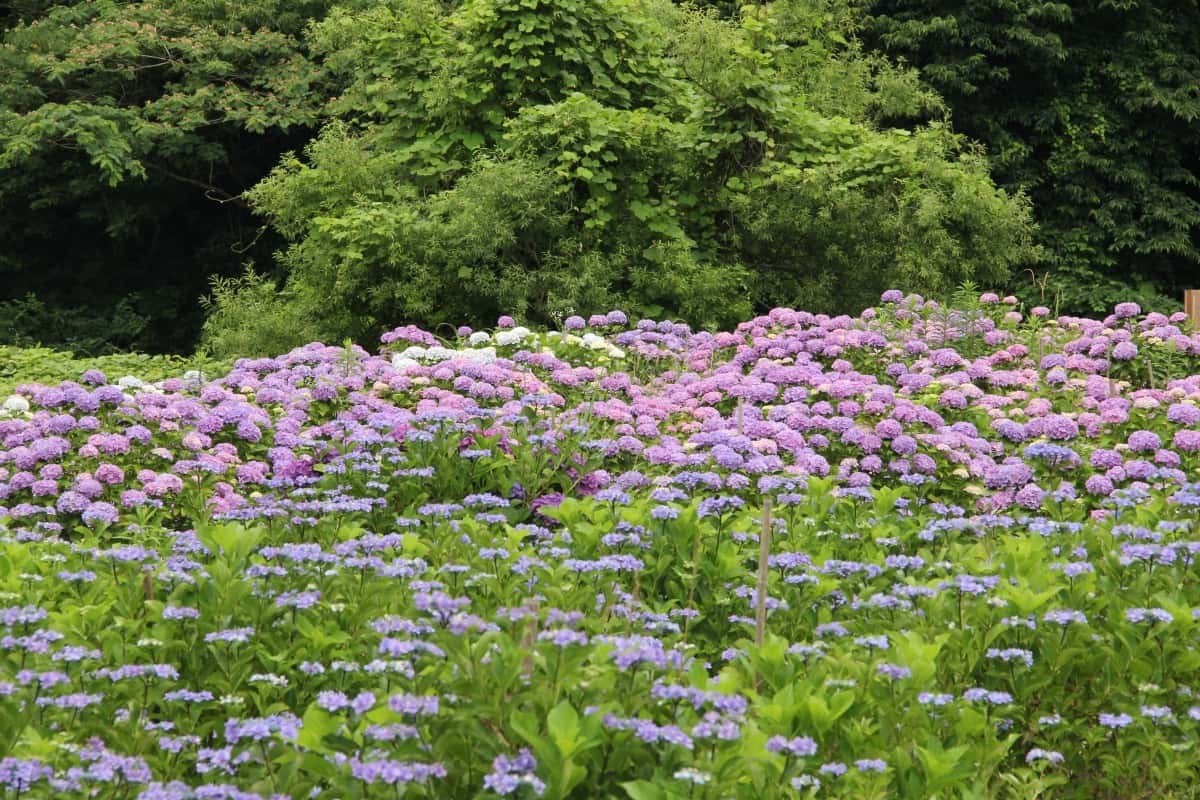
(214, 193)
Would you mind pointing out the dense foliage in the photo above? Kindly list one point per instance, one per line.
(128, 133)
(472, 157)
(563, 155)
(1090, 107)
(923, 552)
(334, 165)
(20, 365)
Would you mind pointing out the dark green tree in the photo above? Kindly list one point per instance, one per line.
(128, 133)
(1092, 108)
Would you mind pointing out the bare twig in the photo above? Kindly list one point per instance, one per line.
(214, 193)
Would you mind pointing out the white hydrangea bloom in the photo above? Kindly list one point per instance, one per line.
(438, 353)
(400, 363)
(484, 355)
(413, 353)
(594, 342)
(16, 404)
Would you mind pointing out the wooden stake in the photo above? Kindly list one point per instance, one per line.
(764, 552)
(527, 642)
(1191, 304)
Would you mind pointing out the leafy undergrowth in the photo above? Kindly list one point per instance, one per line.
(918, 553)
(49, 366)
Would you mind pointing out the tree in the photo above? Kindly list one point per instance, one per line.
(550, 156)
(1091, 108)
(128, 134)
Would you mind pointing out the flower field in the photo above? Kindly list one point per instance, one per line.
(924, 552)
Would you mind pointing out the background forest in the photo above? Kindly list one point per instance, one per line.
(321, 170)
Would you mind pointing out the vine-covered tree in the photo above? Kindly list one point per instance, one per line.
(544, 156)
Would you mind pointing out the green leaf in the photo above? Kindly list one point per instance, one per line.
(526, 726)
(642, 211)
(316, 725)
(413, 546)
(230, 539)
(563, 724)
(643, 790)
(941, 766)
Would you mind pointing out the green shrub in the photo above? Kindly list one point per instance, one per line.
(29, 321)
(248, 317)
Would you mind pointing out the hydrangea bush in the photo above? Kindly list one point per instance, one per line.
(922, 552)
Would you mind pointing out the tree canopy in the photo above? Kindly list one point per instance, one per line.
(128, 134)
(1092, 109)
(544, 157)
(443, 162)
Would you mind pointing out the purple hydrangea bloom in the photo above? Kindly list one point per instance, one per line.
(511, 773)
(801, 746)
(1049, 756)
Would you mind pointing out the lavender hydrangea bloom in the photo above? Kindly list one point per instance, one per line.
(801, 746)
(1011, 654)
(894, 672)
(511, 773)
(1124, 351)
(394, 773)
(284, 726)
(1144, 441)
(1115, 721)
(1049, 756)
(1139, 615)
(978, 695)
(230, 635)
(1065, 616)
(22, 774)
